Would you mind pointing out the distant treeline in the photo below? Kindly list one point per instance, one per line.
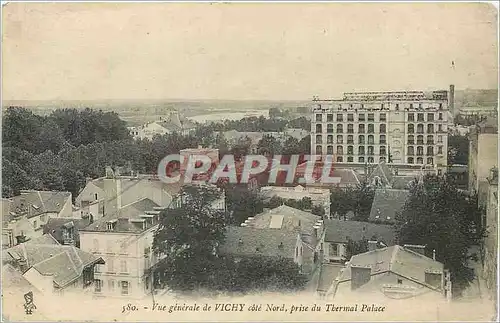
(59, 151)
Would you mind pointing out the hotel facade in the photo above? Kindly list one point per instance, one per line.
(397, 127)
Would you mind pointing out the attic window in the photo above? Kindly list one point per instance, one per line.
(400, 281)
(110, 225)
(281, 246)
(240, 241)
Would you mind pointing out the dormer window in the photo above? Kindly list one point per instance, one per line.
(110, 225)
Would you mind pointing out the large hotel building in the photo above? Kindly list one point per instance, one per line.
(397, 127)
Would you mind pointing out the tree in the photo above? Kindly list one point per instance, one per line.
(188, 236)
(458, 149)
(242, 203)
(446, 220)
(363, 196)
(342, 200)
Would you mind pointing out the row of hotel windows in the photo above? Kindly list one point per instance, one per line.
(371, 117)
(371, 128)
(420, 128)
(382, 139)
(350, 150)
(411, 160)
(350, 128)
(420, 150)
(382, 150)
(123, 285)
(350, 139)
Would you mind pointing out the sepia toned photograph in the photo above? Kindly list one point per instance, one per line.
(249, 161)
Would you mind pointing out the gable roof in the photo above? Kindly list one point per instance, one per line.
(34, 203)
(285, 218)
(328, 273)
(340, 231)
(396, 259)
(64, 263)
(383, 172)
(12, 278)
(247, 241)
(129, 212)
(387, 203)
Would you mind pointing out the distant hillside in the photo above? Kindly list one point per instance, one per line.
(472, 98)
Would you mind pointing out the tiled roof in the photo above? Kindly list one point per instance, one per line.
(12, 278)
(387, 203)
(247, 241)
(64, 263)
(328, 273)
(54, 226)
(293, 219)
(396, 259)
(339, 231)
(33, 203)
(131, 211)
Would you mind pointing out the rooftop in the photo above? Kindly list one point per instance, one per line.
(249, 242)
(64, 263)
(396, 259)
(285, 218)
(341, 231)
(33, 203)
(121, 219)
(387, 203)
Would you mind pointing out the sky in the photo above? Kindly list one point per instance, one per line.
(279, 51)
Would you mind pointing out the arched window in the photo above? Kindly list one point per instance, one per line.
(350, 128)
(382, 139)
(361, 128)
(370, 139)
(420, 140)
(329, 139)
(430, 161)
(340, 150)
(382, 159)
(420, 151)
(430, 128)
(350, 150)
(370, 150)
(319, 139)
(410, 160)
(383, 150)
(382, 128)
(329, 128)
(350, 139)
(361, 150)
(411, 139)
(430, 140)
(319, 128)
(430, 150)
(340, 128)
(420, 160)
(319, 150)
(420, 128)
(340, 139)
(329, 150)
(340, 159)
(361, 139)
(411, 150)
(371, 128)
(411, 128)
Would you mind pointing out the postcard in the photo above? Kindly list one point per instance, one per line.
(249, 161)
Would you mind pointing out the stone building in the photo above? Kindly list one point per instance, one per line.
(407, 127)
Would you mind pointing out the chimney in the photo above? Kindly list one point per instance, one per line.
(372, 245)
(451, 98)
(118, 193)
(415, 248)
(434, 254)
(359, 276)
